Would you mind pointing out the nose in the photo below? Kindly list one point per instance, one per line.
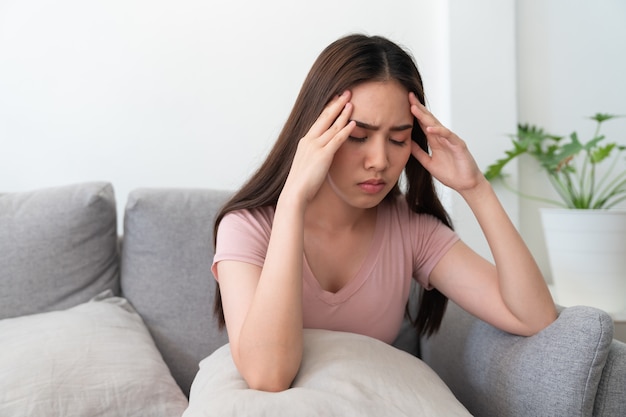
(376, 157)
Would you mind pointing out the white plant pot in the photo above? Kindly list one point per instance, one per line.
(587, 254)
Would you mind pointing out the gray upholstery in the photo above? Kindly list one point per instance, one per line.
(167, 238)
(166, 261)
(554, 373)
(611, 398)
(58, 247)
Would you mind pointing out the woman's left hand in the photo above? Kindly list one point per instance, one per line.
(449, 161)
(519, 299)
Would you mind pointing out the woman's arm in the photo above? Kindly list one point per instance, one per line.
(512, 294)
(263, 306)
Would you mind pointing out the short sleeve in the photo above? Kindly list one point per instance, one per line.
(243, 235)
(431, 240)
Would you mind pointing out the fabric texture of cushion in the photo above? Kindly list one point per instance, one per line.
(342, 374)
(95, 359)
(553, 373)
(166, 272)
(610, 398)
(58, 247)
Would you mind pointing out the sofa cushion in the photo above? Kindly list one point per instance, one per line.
(58, 246)
(95, 359)
(342, 374)
(555, 372)
(166, 272)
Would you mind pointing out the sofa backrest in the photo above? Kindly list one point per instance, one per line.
(166, 258)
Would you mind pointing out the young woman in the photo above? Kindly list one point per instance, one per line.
(323, 236)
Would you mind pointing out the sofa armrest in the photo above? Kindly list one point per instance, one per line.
(555, 372)
(611, 400)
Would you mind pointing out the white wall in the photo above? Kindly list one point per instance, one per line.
(192, 93)
(571, 64)
(163, 93)
(482, 98)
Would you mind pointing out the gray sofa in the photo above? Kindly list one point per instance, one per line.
(60, 248)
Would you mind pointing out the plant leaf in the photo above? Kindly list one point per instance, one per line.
(602, 117)
(570, 165)
(600, 153)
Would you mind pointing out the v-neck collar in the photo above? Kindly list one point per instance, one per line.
(358, 279)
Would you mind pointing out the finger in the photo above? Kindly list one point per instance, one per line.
(340, 122)
(439, 131)
(415, 110)
(329, 115)
(442, 134)
(432, 127)
(413, 99)
(424, 117)
(340, 137)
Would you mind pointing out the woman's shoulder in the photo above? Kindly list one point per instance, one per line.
(264, 212)
(255, 218)
(244, 232)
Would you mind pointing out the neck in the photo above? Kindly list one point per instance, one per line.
(329, 212)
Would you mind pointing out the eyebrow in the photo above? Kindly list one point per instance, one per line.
(368, 126)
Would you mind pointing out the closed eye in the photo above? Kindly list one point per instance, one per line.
(364, 138)
(357, 139)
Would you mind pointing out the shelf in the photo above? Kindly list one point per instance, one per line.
(619, 319)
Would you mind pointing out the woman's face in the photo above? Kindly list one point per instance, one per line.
(367, 166)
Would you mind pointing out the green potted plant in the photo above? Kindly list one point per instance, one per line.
(571, 166)
(586, 236)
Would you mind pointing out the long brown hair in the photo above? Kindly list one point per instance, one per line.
(345, 63)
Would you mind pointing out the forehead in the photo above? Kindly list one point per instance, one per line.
(381, 101)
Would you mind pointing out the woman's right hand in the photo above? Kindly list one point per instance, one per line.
(317, 148)
(263, 305)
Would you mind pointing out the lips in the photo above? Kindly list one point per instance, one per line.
(372, 186)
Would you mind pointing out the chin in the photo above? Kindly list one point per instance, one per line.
(368, 202)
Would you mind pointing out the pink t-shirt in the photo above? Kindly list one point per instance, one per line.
(372, 303)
